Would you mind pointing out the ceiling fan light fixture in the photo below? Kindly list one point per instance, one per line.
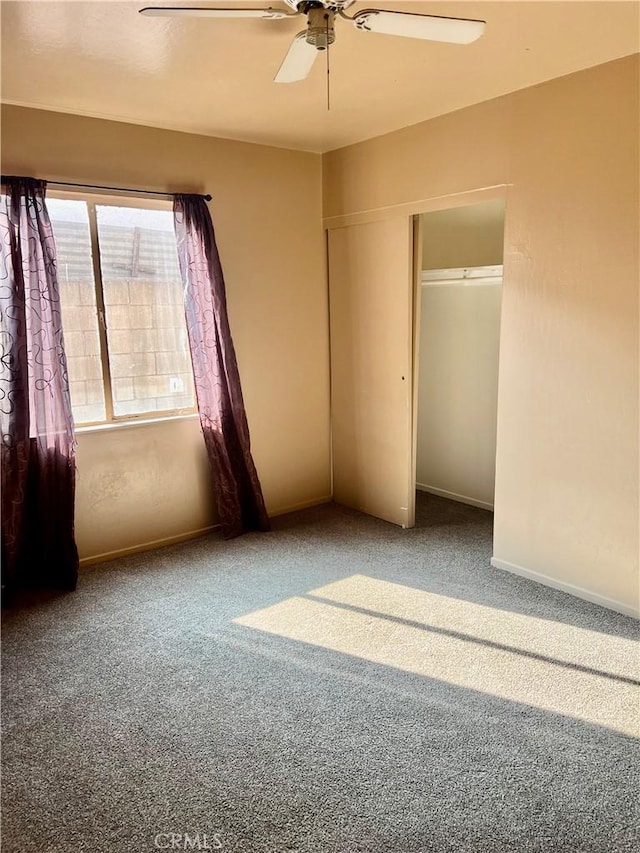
(432, 28)
(320, 30)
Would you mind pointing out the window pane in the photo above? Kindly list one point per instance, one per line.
(146, 332)
(70, 222)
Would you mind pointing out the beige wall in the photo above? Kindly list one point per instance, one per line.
(140, 486)
(566, 504)
(469, 236)
(267, 213)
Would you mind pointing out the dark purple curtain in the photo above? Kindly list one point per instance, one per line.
(215, 370)
(38, 458)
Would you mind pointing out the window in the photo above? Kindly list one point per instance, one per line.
(122, 313)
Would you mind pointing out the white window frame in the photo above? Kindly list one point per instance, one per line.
(93, 199)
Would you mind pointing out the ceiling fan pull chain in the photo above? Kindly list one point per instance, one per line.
(326, 17)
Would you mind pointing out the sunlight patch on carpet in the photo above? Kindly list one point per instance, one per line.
(552, 666)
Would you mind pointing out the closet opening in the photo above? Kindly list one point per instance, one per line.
(457, 339)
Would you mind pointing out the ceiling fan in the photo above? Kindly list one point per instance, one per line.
(320, 32)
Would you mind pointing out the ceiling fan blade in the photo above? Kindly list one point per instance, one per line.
(298, 62)
(202, 12)
(411, 25)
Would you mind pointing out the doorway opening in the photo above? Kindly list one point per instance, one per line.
(457, 337)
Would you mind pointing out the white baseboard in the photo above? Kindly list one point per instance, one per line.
(452, 496)
(303, 505)
(572, 589)
(147, 546)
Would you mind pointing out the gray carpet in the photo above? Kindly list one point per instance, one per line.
(337, 686)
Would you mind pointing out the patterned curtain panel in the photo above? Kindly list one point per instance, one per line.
(217, 381)
(38, 460)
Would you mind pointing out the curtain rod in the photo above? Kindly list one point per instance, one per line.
(206, 197)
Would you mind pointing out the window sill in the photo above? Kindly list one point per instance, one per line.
(134, 422)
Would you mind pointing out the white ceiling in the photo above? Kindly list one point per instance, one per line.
(214, 76)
